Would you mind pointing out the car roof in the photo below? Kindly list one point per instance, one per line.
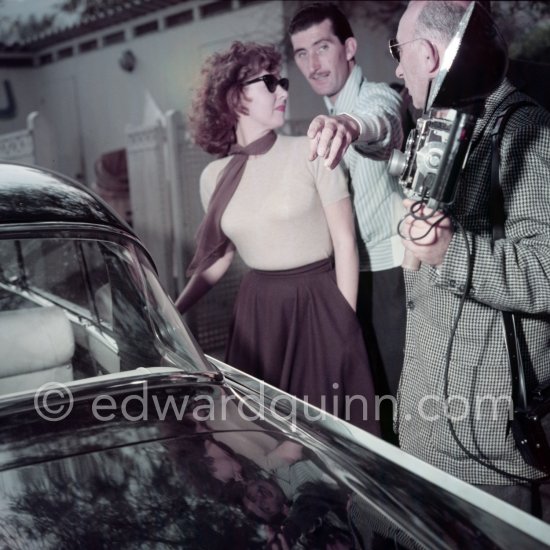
(33, 195)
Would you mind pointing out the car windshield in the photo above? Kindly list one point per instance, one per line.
(74, 308)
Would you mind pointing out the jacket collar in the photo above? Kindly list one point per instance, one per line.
(347, 96)
(492, 104)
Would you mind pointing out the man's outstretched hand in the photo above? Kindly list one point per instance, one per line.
(331, 136)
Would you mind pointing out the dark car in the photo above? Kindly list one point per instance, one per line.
(117, 432)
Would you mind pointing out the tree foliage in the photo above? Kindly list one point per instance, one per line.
(524, 24)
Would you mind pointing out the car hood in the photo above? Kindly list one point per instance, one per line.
(169, 460)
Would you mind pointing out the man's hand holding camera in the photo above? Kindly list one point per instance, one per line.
(426, 233)
(331, 136)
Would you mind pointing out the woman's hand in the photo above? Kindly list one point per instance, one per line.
(200, 283)
(342, 231)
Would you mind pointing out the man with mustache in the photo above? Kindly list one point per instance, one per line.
(366, 115)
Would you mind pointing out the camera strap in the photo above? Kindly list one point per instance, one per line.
(510, 321)
(497, 218)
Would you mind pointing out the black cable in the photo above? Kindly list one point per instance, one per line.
(447, 366)
(415, 207)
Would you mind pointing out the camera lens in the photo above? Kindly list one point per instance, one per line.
(397, 163)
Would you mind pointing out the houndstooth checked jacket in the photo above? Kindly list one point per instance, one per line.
(514, 275)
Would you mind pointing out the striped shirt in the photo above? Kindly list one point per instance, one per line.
(376, 195)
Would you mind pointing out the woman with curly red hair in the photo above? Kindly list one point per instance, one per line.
(291, 221)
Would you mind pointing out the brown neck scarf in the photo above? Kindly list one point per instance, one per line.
(212, 244)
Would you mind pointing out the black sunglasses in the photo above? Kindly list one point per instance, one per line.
(395, 47)
(271, 82)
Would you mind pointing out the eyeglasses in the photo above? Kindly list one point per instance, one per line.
(271, 82)
(395, 47)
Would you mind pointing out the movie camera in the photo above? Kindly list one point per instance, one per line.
(473, 66)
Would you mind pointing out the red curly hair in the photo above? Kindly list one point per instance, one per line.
(218, 100)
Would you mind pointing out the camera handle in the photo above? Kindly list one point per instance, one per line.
(443, 189)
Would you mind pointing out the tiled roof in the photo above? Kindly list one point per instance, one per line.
(95, 17)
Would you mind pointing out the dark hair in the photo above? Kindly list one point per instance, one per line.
(277, 518)
(218, 99)
(189, 456)
(313, 14)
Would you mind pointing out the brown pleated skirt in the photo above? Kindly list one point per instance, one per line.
(295, 330)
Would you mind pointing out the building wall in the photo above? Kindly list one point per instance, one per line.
(89, 100)
(22, 85)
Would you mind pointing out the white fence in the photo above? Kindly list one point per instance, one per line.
(164, 168)
(34, 145)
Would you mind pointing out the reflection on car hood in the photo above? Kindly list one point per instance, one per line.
(162, 462)
(34, 195)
